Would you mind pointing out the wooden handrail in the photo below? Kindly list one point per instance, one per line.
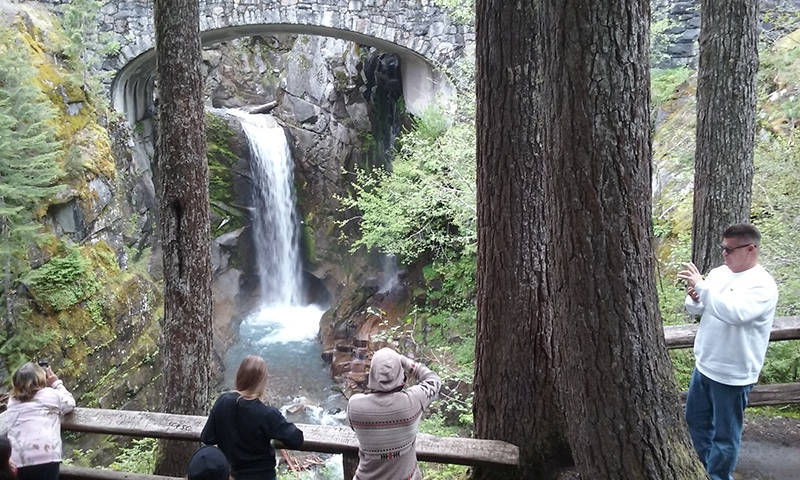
(682, 336)
(318, 438)
(765, 395)
(783, 328)
(70, 472)
(777, 394)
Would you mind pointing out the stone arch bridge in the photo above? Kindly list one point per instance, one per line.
(422, 34)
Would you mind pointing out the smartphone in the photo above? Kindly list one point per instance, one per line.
(43, 363)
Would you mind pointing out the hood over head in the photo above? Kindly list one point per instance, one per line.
(386, 372)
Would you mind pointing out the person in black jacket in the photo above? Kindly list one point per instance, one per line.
(242, 426)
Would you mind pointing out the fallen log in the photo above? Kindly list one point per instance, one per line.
(266, 108)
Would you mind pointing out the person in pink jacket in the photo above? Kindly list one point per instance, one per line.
(37, 402)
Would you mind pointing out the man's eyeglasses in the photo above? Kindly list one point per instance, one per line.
(730, 250)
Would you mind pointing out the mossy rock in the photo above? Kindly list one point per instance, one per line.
(224, 153)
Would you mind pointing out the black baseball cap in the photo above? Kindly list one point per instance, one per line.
(208, 463)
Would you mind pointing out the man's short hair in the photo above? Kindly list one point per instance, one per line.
(743, 231)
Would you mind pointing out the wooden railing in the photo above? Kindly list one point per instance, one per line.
(318, 438)
(783, 328)
(682, 336)
(342, 440)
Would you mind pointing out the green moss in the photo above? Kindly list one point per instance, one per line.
(55, 83)
(307, 242)
(79, 132)
(62, 282)
(340, 79)
(303, 62)
(221, 160)
(666, 84)
(102, 256)
(80, 321)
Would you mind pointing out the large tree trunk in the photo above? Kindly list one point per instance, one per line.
(726, 112)
(615, 378)
(515, 395)
(181, 154)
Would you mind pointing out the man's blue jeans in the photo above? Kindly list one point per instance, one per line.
(715, 414)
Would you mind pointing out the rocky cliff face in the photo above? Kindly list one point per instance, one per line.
(90, 303)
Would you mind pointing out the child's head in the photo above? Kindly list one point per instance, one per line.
(28, 379)
(5, 450)
(208, 463)
(7, 471)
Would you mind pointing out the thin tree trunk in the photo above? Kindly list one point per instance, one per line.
(9, 314)
(186, 326)
(726, 113)
(7, 297)
(615, 378)
(515, 392)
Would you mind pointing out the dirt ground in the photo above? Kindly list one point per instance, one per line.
(770, 449)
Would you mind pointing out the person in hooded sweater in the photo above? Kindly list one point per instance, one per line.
(242, 426)
(385, 420)
(737, 303)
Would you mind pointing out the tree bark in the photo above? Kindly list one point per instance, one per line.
(515, 391)
(181, 155)
(615, 378)
(726, 112)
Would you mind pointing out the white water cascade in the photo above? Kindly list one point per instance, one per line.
(275, 222)
(284, 330)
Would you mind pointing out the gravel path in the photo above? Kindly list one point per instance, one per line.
(770, 449)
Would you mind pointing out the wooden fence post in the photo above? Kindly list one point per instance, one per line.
(349, 465)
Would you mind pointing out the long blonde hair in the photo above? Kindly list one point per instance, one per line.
(251, 377)
(27, 380)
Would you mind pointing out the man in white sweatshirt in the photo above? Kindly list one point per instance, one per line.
(737, 302)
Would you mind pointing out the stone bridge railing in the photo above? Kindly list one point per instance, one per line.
(417, 25)
(422, 34)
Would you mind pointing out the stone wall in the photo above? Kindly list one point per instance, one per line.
(422, 26)
(676, 27)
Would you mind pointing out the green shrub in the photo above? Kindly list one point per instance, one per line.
(138, 457)
(664, 84)
(26, 339)
(782, 364)
(63, 281)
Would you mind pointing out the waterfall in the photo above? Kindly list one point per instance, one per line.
(284, 330)
(274, 219)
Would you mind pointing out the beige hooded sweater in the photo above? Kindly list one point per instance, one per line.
(386, 419)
